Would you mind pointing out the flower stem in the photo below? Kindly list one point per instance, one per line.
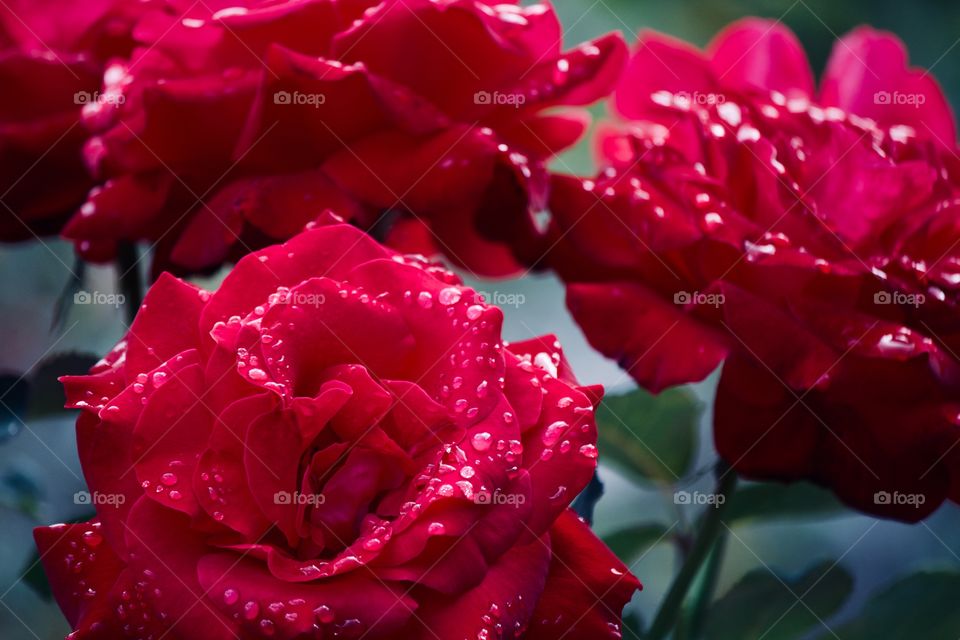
(668, 615)
(128, 276)
(707, 584)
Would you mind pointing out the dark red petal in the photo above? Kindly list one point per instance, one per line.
(220, 479)
(586, 589)
(504, 600)
(265, 605)
(328, 251)
(868, 74)
(661, 63)
(169, 437)
(643, 332)
(160, 588)
(81, 568)
(167, 324)
(761, 54)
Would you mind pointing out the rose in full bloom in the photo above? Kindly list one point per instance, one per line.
(336, 443)
(423, 120)
(809, 242)
(52, 58)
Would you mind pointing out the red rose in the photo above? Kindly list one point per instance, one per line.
(52, 56)
(810, 249)
(425, 118)
(336, 440)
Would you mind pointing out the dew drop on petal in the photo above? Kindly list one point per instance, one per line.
(324, 614)
(450, 295)
(481, 441)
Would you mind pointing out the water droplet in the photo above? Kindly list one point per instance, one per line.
(481, 441)
(474, 311)
(588, 451)
(553, 432)
(231, 596)
(450, 295)
(324, 614)
(425, 299)
(257, 374)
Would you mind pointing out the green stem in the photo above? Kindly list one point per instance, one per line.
(670, 608)
(128, 275)
(703, 595)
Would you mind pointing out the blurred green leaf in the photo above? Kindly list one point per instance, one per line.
(650, 437)
(763, 605)
(64, 301)
(585, 503)
(18, 491)
(46, 391)
(36, 578)
(634, 625)
(770, 501)
(14, 393)
(922, 605)
(630, 542)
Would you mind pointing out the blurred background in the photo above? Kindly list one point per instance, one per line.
(797, 565)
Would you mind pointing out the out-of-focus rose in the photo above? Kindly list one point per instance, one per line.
(810, 247)
(422, 120)
(52, 57)
(336, 442)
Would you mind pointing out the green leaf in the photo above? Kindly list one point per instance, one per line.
(923, 605)
(64, 301)
(633, 625)
(763, 605)
(18, 491)
(769, 501)
(36, 578)
(586, 502)
(14, 391)
(630, 542)
(650, 437)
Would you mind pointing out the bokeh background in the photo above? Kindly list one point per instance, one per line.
(858, 557)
